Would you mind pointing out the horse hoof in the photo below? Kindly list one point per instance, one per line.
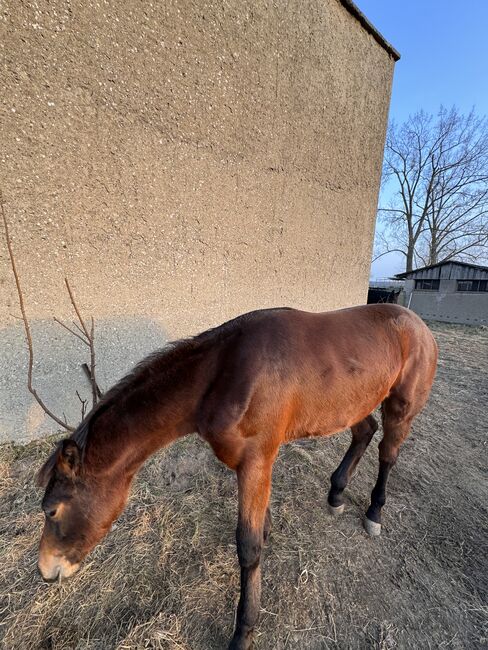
(372, 528)
(335, 510)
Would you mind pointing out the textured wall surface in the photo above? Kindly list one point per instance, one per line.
(181, 162)
(448, 305)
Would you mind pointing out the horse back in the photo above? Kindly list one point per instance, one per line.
(290, 374)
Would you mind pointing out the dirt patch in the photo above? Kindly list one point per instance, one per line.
(167, 575)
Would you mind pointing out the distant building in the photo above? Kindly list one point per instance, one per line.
(453, 292)
(386, 290)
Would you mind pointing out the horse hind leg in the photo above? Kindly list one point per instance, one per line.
(399, 409)
(268, 523)
(362, 434)
(397, 414)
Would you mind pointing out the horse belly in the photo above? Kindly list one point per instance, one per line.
(334, 406)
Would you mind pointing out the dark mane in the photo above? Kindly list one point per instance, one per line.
(164, 363)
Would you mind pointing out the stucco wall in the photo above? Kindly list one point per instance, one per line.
(181, 162)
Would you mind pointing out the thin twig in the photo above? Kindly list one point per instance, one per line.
(75, 307)
(71, 331)
(87, 372)
(83, 405)
(92, 363)
(28, 335)
(90, 338)
(78, 328)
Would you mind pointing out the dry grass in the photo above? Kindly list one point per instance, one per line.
(167, 577)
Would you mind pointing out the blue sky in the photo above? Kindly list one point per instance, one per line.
(444, 60)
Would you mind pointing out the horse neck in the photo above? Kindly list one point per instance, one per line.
(137, 424)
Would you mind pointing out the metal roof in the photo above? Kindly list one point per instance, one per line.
(476, 267)
(370, 28)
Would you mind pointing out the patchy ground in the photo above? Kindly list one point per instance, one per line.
(167, 576)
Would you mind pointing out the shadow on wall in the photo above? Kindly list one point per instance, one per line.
(119, 343)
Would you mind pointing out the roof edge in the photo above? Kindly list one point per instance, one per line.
(432, 266)
(370, 28)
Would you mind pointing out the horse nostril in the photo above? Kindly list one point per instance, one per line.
(52, 578)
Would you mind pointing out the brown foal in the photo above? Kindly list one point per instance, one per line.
(260, 380)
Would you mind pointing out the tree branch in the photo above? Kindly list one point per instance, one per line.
(392, 250)
(90, 341)
(28, 335)
(71, 331)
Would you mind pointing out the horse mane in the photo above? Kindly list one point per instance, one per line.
(160, 360)
(165, 363)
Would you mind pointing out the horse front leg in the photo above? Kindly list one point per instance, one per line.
(254, 484)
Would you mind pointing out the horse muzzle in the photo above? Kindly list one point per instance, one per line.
(55, 567)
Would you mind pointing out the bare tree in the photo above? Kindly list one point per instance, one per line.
(87, 336)
(437, 171)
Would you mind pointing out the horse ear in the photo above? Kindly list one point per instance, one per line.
(45, 473)
(68, 460)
